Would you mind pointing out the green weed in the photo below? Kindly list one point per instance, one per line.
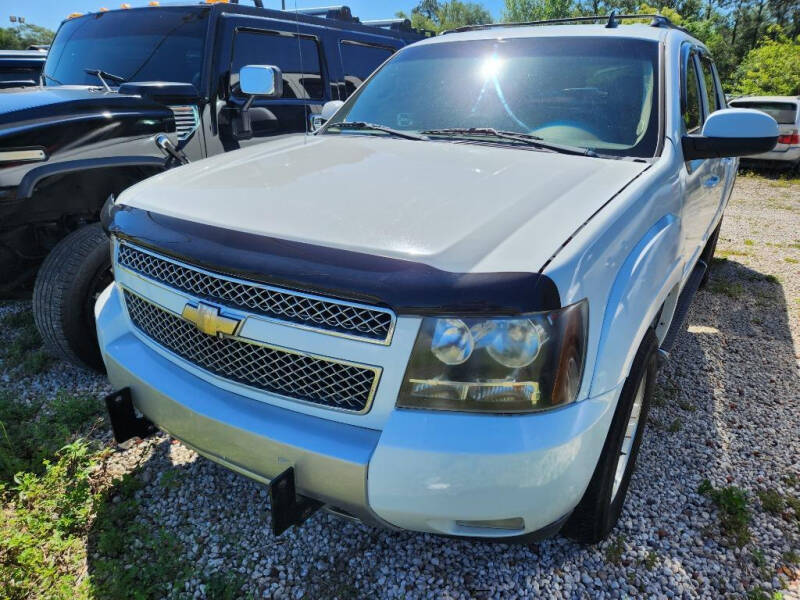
(734, 514)
(615, 549)
(772, 501)
(32, 432)
(731, 289)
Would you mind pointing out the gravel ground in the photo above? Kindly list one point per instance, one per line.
(727, 413)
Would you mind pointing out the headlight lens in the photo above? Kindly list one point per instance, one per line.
(521, 364)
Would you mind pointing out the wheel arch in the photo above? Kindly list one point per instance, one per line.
(642, 286)
(35, 177)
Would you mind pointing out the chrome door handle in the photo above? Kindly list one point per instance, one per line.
(711, 181)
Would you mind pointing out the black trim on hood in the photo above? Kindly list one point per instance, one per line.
(405, 286)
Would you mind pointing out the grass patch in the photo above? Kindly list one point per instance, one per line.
(734, 514)
(759, 594)
(749, 243)
(66, 529)
(33, 432)
(25, 350)
(675, 426)
(42, 534)
(152, 565)
(224, 586)
(650, 561)
(772, 501)
(664, 394)
(789, 259)
(686, 405)
(791, 558)
(615, 549)
(726, 254)
(731, 289)
(794, 504)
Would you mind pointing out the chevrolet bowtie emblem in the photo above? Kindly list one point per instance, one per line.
(208, 320)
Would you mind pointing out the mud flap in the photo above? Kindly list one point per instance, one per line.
(288, 507)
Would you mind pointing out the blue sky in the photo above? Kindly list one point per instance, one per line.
(49, 13)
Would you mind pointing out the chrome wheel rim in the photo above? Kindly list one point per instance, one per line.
(630, 436)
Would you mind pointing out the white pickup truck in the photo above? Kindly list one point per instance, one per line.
(443, 311)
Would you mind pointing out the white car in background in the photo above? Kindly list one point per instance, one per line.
(786, 111)
(443, 311)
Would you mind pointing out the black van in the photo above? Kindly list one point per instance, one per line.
(129, 92)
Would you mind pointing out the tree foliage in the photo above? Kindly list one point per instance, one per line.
(19, 38)
(518, 11)
(441, 16)
(771, 68)
(755, 43)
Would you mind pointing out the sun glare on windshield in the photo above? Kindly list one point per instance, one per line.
(491, 67)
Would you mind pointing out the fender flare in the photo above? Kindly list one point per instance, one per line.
(34, 176)
(647, 276)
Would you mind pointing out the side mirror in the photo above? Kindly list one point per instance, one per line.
(732, 132)
(328, 110)
(255, 81)
(264, 81)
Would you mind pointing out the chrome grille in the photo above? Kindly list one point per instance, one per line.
(186, 120)
(351, 320)
(287, 373)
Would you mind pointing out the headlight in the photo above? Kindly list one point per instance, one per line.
(520, 364)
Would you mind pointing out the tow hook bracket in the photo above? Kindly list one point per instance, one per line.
(125, 423)
(288, 508)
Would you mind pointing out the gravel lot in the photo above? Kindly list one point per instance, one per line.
(727, 412)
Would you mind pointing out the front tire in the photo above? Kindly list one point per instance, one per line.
(69, 281)
(598, 511)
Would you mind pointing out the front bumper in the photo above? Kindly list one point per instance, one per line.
(445, 473)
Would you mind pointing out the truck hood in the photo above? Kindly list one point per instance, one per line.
(458, 207)
(20, 105)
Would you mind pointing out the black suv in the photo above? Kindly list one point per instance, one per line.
(124, 89)
(20, 68)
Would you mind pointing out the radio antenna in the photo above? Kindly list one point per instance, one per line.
(302, 82)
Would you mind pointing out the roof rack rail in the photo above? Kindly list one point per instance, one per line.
(339, 13)
(610, 19)
(399, 24)
(258, 3)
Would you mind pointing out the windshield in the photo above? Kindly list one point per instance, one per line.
(599, 94)
(783, 112)
(152, 44)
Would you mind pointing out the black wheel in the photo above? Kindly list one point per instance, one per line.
(67, 286)
(708, 254)
(599, 509)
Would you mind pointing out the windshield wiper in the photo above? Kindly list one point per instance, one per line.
(376, 127)
(103, 75)
(524, 138)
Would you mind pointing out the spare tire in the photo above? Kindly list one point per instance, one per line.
(67, 285)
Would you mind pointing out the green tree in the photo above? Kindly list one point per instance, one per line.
(441, 16)
(772, 68)
(518, 11)
(19, 38)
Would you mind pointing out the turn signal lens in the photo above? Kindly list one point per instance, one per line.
(792, 139)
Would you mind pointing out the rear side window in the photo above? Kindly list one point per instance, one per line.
(359, 61)
(712, 91)
(782, 112)
(302, 78)
(692, 114)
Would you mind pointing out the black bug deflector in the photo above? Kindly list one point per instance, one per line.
(287, 506)
(125, 423)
